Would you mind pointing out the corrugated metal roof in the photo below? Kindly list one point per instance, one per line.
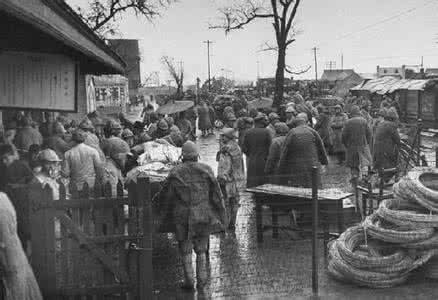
(385, 85)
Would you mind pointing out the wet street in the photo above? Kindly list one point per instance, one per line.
(240, 268)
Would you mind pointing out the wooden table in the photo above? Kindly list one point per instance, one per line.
(286, 197)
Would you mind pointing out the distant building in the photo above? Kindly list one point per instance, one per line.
(397, 72)
(129, 51)
(330, 77)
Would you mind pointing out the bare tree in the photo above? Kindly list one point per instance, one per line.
(101, 15)
(282, 14)
(177, 75)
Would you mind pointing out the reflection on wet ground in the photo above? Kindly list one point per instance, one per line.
(240, 268)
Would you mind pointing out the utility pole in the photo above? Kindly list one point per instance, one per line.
(316, 63)
(258, 70)
(422, 61)
(208, 42)
(342, 61)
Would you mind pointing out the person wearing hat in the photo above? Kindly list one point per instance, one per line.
(50, 171)
(387, 142)
(230, 173)
(128, 137)
(338, 122)
(27, 135)
(90, 138)
(242, 125)
(290, 115)
(273, 119)
(191, 199)
(324, 128)
(281, 130)
(82, 163)
(56, 142)
(162, 130)
(302, 150)
(185, 126)
(356, 137)
(204, 122)
(13, 169)
(112, 168)
(256, 143)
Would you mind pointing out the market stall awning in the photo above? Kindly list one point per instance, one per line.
(56, 19)
(174, 107)
(387, 85)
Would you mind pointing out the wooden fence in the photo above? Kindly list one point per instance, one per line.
(90, 244)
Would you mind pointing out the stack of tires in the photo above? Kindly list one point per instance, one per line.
(398, 238)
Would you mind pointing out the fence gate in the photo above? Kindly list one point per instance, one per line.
(92, 245)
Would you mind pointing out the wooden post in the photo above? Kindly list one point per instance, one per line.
(436, 157)
(315, 256)
(145, 263)
(43, 239)
(420, 128)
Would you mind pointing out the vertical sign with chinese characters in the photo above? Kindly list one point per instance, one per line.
(37, 81)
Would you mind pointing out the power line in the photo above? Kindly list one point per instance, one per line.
(408, 11)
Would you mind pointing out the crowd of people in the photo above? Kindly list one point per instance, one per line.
(280, 147)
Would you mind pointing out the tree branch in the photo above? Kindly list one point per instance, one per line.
(289, 70)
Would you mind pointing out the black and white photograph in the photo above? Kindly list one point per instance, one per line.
(218, 149)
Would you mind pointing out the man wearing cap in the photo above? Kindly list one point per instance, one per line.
(185, 126)
(290, 115)
(273, 119)
(338, 123)
(162, 130)
(271, 166)
(230, 173)
(117, 147)
(192, 200)
(356, 137)
(82, 163)
(387, 142)
(27, 136)
(302, 150)
(90, 138)
(128, 137)
(13, 170)
(56, 142)
(256, 148)
(50, 171)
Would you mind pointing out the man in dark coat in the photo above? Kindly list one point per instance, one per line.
(386, 142)
(27, 136)
(323, 127)
(256, 145)
(302, 150)
(191, 199)
(356, 137)
(271, 166)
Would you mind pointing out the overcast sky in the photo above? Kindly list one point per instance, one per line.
(405, 31)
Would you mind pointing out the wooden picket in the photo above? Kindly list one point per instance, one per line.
(92, 244)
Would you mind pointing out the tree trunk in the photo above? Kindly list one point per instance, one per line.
(279, 75)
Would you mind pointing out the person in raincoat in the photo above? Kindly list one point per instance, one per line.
(273, 119)
(17, 278)
(302, 150)
(204, 122)
(281, 130)
(191, 199)
(230, 173)
(324, 129)
(27, 135)
(356, 137)
(82, 164)
(386, 142)
(337, 123)
(90, 138)
(256, 144)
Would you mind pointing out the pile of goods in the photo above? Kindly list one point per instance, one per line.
(156, 160)
(398, 238)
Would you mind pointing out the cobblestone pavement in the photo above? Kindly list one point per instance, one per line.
(240, 268)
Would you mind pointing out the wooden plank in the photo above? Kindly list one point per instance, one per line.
(101, 202)
(95, 290)
(145, 263)
(122, 245)
(305, 193)
(94, 250)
